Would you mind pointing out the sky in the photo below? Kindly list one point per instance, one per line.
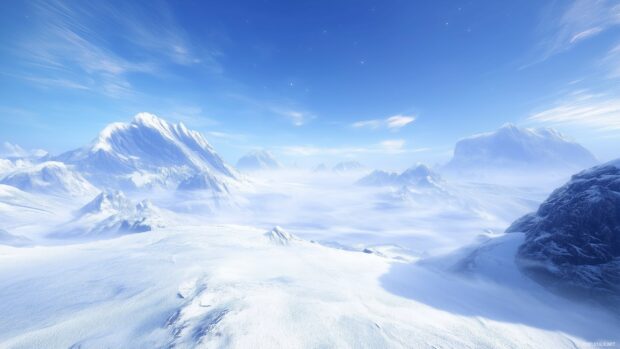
(388, 83)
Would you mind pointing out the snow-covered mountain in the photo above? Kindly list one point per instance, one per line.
(348, 166)
(106, 202)
(419, 175)
(512, 148)
(147, 151)
(279, 236)
(110, 214)
(50, 177)
(204, 181)
(258, 160)
(573, 240)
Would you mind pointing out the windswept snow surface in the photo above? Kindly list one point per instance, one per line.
(343, 270)
(289, 259)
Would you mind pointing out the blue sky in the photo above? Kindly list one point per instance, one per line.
(385, 82)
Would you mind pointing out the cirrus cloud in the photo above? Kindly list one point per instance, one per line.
(394, 123)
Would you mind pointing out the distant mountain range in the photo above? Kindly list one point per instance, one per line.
(419, 175)
(258, 160)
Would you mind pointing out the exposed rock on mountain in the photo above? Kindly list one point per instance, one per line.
(573, 239)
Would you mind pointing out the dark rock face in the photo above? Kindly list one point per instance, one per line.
(574, 237)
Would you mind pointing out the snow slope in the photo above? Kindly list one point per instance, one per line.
(229, 286)
(147, 151)
(49, 177)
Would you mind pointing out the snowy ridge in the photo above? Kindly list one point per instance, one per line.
(279, 236)
(107, 201)
(204, 181)
(347, 166)
(110, 214)
(419, 175)
(49, 177)
(147, 150)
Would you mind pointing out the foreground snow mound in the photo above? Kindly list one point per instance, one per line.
(49, 177)
(348, 166)
(419, 175)
(258, 160)
(111, 214)
(574, 238)
(279, 236)
(147, 150)
(511, 148)
(7, 238)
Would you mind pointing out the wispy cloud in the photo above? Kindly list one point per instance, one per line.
(585, 34)
(226, 136)
(612, 62)
(70, 44)
(298, 118)
(399, 121)
(577, 21)
(594, 112)
(393, 145)
(395, 122)
(286, 109)
(375, 123)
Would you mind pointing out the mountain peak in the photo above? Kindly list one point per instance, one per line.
(147, 145)
(258, 160)
(145, 118)
(279, 236)
(511, 147)
(106, 201)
